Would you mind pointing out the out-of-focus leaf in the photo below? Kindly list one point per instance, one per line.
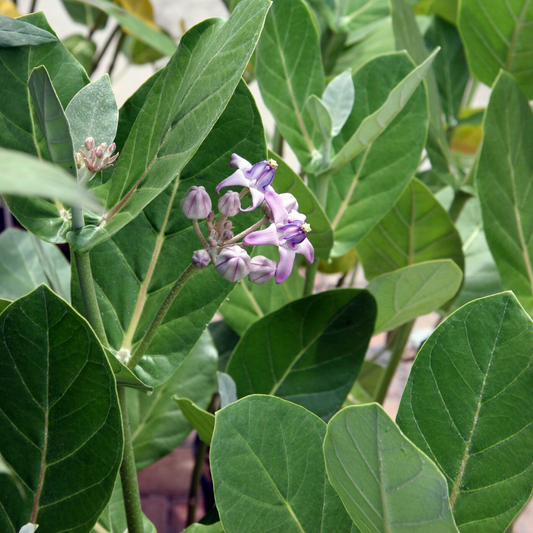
(356, 15)
(200, 528)
(202, 421)
(468, 404)
(498, 35)
(365, 189)
(26, 263)
(416, 290)
(57, 408)
(298, 353)
(4, 304)
(339, 98)
(225, 340)
(140, 53)
(227, 389)
(416, 230)
(504, 174)
(379, 475)
(271, 475)
(84, 14)
(82, 49)
(15, 33)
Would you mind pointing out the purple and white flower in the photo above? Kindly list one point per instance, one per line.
(229, 204)
(262, 269)
(196, 204)
(256, 177)
(201, 258)
(233, 263)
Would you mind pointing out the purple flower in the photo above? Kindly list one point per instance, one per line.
(233, 263)
(257, 178)
(229, 204)
(277, 206)
(262, 270)
(201, 258)
(196, 204)
(288, 233)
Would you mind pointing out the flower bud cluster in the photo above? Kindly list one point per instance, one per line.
(95, 158)
(287, 228)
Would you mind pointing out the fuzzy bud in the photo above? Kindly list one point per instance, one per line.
(262, 269)
(99, 152)
(233, 263)
(200, 258)
(89, 143)
(229, 204)
(227, 235)
(112, 148)
(196, 204)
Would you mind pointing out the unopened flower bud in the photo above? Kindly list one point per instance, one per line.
(196, 204)
(228, 224)
(227, 235)
(99, 152)
(200, 258)
(89, 143)
(213, 243)
(262, 269)
(229, 204)
(112, 148)
(233, 263)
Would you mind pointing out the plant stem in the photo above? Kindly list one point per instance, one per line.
(160, 316)
(128, 473)
(117, 50)
(98, 58)
(97, 22)
(33, 6)
(400, 341)
(458, 203)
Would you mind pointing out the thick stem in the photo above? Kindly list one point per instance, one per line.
(310, 274)
(128, 474)
(160, 315)
(402, 336)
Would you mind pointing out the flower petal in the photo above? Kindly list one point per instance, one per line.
(264, 236)
(237, 178)
(286, 262)
(278, 213)
(306, 249)
(239, 162)
(257, 200)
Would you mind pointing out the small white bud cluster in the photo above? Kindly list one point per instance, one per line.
(95, 158)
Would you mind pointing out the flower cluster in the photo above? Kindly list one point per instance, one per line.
(95, 158)
(287, 228)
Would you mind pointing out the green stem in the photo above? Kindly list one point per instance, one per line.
(160, 316)
(277, 142)
(128, 473)
(458, 203)
(400, 341)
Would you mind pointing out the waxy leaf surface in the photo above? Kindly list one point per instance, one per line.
(504, 177)
(19, 33)
(56, 408)
(308, 352)
(280, 487)
(468, 405)
(385, 482)
(417, 229)
(366, 188)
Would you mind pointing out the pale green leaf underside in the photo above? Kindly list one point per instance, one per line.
(202, 421)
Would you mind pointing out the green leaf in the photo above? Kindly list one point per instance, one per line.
(225, 340)
(416, 290)
(200, 528)
(407, 35)
(51, 119)
(14, 32)
(202, 421)
(481, 275)
(298, 353)
(357, 15)
(157, 424)
(321, 117)
(25, 175)
(362, 192)
(498, 36)
(26, 263)
(93, 112)
(468, 405)
(182, 107)
(57, 408)
(270, 476)
(151, 252)
(227, 389)
(450, 67)
(339, 98)
(82, 49)
(4, 304)
(145, 33)
(504, 174)
(289, 70)
(416, 230)
(18, 130)
(124, 376)
(376, 123)
(83, 14)
(286, 180)
(385, 482)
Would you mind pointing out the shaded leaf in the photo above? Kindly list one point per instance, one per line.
(202, 421)
(417, 229)
(281, 487)
(83, 14)
(4, 304)
(124, 376)
(468, 405)
(356, 15)
(504, 174)
(379, 474)
(54, 415)
(19, 33)
(413, 291)
(298, 353)
(225, 340)
(81, 48)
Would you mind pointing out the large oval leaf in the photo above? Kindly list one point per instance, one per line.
(56, 408)
(308, 352)
(418, 229)
(385, 482)
(366, 188)
(468, 404)
(498, 35)
(504, 175)
(19, 33)
(268, 470)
